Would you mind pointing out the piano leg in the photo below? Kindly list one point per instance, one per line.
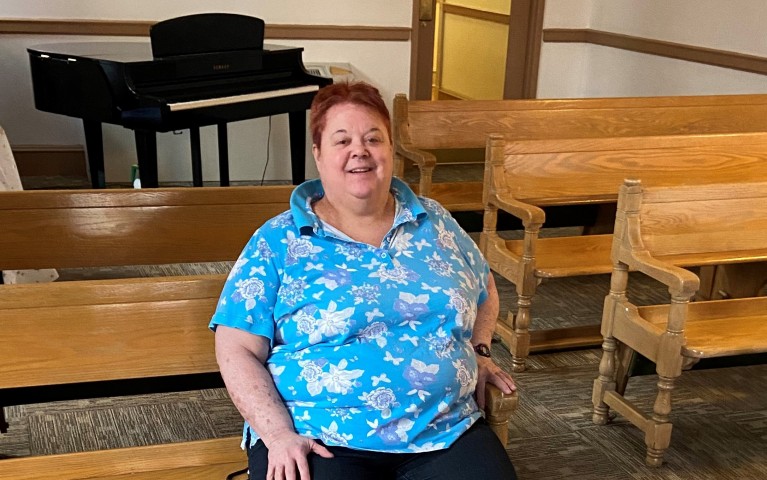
(146, 151)
(94, 147)
(194, 143)
(3, 423)
(223, 155)
(297, 126)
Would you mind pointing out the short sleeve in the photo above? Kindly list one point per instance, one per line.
(249, 295)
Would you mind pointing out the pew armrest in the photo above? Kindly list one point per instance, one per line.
(498, 410)
(529, 214)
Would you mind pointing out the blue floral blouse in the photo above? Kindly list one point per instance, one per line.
(370, 345)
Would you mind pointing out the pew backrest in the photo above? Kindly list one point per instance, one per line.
(431, 125)
(572, 171)
(720, 222)
(421, 127)
(87, 228)
(102, 330)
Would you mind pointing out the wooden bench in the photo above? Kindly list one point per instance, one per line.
(116, 333)
(657, 230)
(85, 338)
(203, 459)
(523, 176)
(420, 128)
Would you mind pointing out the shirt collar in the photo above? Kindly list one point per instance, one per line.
(311, 190)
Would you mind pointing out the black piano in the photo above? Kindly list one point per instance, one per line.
(197, 70)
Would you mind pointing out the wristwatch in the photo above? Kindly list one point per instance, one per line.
(482, 349)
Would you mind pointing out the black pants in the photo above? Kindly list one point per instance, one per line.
(477, 454)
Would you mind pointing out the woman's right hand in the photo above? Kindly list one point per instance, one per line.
(288, 453)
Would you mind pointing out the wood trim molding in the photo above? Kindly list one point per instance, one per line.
(421, 47)
(476, 14)
(131, 28)
(524, 49)
(338, 32)
(690, 53)
(63, 160)
(75, 27)
(443, 94)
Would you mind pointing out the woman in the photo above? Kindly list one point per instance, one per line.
(345, 332)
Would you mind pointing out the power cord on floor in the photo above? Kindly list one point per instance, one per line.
(268, 142)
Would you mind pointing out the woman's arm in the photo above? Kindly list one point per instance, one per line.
(484, 326)
(241, 357)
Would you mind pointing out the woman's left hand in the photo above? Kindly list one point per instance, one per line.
(488, 371)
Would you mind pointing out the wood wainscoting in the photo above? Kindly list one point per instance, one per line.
(50, 160)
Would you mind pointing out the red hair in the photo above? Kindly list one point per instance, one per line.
(356, 93)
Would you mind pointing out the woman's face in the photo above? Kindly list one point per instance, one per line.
(355, 158)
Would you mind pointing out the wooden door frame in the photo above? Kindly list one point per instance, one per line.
(522, 58)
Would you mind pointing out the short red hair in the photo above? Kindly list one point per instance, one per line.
(355, 93)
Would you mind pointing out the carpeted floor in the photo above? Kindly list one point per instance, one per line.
(719, 415)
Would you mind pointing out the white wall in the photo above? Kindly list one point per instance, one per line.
(328, 12)
(384, 64)
(733, 25)
(580, 70)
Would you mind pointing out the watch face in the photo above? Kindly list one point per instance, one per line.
(482, 349)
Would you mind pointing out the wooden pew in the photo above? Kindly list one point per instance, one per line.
(422, 127)
(116, 336)
(198, 460)
(116, 333)
(658, 229)
(91, 228)
(521, 177)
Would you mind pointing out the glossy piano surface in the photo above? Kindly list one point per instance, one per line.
(208, 80)
(120, 82)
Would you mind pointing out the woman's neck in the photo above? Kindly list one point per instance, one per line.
(363, 221)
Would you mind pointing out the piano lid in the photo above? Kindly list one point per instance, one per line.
(206, 33)
(199, 34)
(120, 52)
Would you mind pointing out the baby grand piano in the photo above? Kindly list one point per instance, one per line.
(197, 70)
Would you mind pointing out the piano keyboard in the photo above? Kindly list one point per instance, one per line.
(212, 102)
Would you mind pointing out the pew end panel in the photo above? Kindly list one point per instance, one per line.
(657, 227)
(404, 150)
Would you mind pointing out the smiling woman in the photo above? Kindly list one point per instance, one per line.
(354, 158)
(347, 330)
